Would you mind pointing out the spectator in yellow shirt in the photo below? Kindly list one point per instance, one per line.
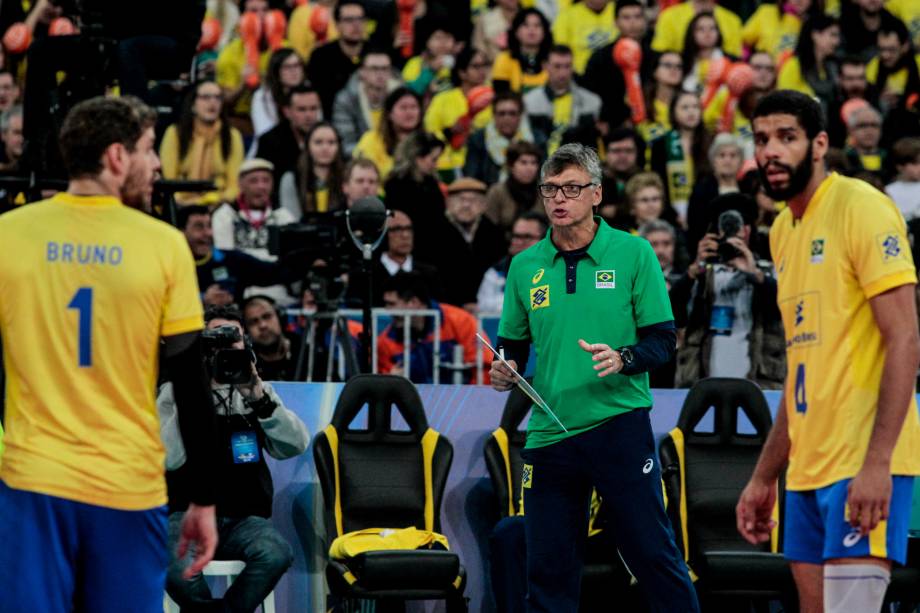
(673, 21)
(585, 27)
(702, 46)
(666, 81)
(443, 118)
(813, 69)
(520, 67)
(907, 11)
(300, 31)
(402, 115)
(203, 146)
(774, 28)
(233, 70)
(895, 72)
(428, 73)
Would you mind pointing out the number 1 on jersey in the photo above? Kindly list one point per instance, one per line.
(801, 404)
(82, 301)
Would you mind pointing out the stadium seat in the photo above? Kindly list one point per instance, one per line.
(704, 473)
(381, 476)
(230, 570)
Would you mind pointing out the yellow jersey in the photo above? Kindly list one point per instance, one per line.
(672, 26)
(300, 34)
(907, 11)
(850, 246)
(771, 30)
(83, 304)
(371, 147)
(896, 82)
(584, 31)
(229, 71)
(790, 77)
(444, 112)
(506, 68)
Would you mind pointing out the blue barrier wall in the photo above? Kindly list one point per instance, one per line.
(464, 414)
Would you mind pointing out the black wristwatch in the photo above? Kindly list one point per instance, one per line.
(627, 357)
(263, 407)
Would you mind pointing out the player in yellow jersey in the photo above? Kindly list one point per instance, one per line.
(847, 424)
(93, 287)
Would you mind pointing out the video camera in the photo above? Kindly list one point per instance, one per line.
(226, 363)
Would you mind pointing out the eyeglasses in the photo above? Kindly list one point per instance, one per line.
(548, 190)
(353, 19)
(671, 65)
(209, 96)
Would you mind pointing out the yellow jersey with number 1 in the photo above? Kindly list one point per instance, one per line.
(87, 290)
(849, 246)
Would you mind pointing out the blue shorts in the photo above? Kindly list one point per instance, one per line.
(58, 555)
(816, 528)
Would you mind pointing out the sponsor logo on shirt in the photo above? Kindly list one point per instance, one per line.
(537, 277)
(649, 465)
(890, 246)
(605, 279)
(803, 312)
(817, 251)
(539, 297)
(527, 476)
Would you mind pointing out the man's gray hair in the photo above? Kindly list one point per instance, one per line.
(573, 154)
(853, 119)
(657, 225)
(7, 117)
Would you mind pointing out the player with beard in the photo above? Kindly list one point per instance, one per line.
(93, 288)
(847, 425)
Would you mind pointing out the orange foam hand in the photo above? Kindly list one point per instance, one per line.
(479, 98)
(210, 34)
(715, 77)
(406, 10)
(628, 56)
(250, 34)
(319, 22)
(739, 80)
(17, 38)
(274, 25)
(61, 26)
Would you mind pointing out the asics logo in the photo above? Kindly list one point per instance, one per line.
(649, 464)
(852, 538)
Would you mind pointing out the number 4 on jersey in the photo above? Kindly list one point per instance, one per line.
(82, 301)
(801, 404)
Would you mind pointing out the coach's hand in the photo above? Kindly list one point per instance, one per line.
(754, 513)
(501, 376)
(609, 360)
(199, 527)
(869, 496)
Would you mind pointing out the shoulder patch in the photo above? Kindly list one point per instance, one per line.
(889, 244)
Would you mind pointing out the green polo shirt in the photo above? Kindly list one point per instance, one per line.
(613, 291)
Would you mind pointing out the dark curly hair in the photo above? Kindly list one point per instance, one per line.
(89, 129)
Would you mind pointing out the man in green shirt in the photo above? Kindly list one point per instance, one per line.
(593, 301)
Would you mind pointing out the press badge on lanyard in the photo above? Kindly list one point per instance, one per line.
(722, 319)
(244, 446)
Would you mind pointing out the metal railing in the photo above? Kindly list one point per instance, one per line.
(337, 360)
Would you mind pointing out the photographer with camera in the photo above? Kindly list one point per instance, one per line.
(251, 421)
(732, 326)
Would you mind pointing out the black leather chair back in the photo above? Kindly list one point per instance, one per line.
(717, 464)
(506, 474)
(381, 470)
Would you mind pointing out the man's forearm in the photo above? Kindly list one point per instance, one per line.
(897, 386)
(775, 453)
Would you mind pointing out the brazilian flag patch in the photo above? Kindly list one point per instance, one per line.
(605, 279)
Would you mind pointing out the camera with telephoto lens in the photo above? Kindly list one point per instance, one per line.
(729, 225)
(226, 363)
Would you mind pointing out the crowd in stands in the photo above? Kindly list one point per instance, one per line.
(294, 110)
